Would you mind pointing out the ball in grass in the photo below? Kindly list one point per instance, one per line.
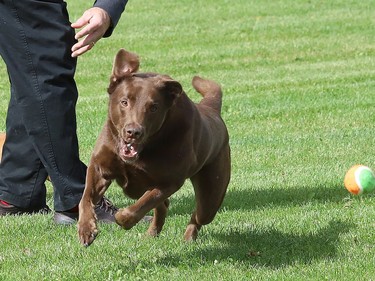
(359, 179)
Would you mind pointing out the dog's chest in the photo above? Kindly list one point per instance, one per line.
(143, 176)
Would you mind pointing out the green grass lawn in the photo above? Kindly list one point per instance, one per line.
(299, 101)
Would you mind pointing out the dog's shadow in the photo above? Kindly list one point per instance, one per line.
(268, 247)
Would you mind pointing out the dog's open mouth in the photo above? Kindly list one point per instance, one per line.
(129, 151)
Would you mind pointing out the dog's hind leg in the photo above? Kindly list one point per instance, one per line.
(210, 186)
(160, 213)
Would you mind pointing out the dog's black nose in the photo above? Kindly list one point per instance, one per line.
(134, 132)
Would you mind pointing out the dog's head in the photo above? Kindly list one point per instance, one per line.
(139, 103)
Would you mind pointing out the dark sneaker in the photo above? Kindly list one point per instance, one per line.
(9, 209)
(105, 212)
(65, 218)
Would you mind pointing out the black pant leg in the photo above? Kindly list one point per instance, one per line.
(35, 43)
(24, 168)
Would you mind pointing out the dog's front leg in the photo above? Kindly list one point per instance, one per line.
(95, 187)
(153, 199)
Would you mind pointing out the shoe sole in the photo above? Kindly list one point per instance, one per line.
(63, 219)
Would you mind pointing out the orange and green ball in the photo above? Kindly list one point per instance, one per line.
(359, 179)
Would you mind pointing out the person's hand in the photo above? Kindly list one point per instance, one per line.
(94, 23)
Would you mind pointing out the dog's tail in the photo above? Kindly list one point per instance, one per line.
(211, 92)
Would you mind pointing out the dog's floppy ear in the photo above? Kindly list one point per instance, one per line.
(124, 65)
(171, 88)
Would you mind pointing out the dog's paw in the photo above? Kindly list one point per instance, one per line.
(87, 233)
(153, 231)
(191, 233)
(125, 218)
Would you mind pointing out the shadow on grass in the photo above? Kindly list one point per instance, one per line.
(248, 199)
(283, 197)
(270, 248)
(276, 249)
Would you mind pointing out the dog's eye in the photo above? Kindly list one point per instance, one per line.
(124, 102)
(153, 107)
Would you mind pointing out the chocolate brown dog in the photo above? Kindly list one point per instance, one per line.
(155, 138)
